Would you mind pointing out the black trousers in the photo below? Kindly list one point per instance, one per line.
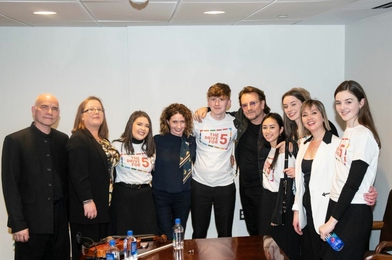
(312, 247)
(168, 207)
(251, 202)
(223, 199)
(48, 246)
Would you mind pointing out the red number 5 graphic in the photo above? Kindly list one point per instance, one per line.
(145, 162)
(223, 139)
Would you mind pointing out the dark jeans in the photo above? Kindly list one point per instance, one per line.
(223, 199)
(168, 207)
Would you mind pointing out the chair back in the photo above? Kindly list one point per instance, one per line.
(386, 231)
(379, 257)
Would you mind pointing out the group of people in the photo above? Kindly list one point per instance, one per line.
(298, 180)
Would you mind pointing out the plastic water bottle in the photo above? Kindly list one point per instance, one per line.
(178, 235)
(334, 241)
(112, 253)
(178, 254)
(130, 246)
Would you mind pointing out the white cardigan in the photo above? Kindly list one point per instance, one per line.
(322, 174)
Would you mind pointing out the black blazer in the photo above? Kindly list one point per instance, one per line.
(88, 177)
(28, 183)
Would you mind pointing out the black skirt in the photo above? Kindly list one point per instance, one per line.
(132, 208)
(354, 230)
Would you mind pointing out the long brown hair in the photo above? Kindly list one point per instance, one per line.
(126, 137)
(291, 127)
(364, 115)
(103, 131)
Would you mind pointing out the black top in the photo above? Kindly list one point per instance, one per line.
(34, 176)
(307, 170)
(88, 177)
(247, 156)
(167, 175)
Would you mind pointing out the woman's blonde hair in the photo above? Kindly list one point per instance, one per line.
(103, 131)
(320, 107)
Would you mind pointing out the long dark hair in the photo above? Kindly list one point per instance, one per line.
(364, 115)
(291, 127)
(126, 137)
(281, 137)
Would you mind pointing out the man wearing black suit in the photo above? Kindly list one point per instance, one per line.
(34, 179)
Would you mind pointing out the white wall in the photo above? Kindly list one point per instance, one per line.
(70, 63)
(369, 61)
(178, 64)
(148, 68)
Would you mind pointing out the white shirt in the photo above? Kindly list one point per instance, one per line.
(357, 143)
(133, 168)
(214, 147)
(271, 177)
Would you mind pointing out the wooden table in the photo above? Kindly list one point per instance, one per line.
(253, 247)
(227, 248)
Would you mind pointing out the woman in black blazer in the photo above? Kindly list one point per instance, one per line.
(91, 159)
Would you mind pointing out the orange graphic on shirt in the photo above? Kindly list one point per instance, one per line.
(268, 172)
(341, 151)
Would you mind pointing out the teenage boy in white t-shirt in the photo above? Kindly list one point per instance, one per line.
(213, 172)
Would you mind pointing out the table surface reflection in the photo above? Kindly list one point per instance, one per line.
(251, 247)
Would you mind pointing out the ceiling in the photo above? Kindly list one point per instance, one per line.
(118, 13)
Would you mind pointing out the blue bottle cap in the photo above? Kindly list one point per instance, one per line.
(112, 242)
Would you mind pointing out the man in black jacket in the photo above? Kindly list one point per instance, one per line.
(251, 153)
(34, 179)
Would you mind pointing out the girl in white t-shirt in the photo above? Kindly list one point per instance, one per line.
(356, 166)
(274, 220)
(132, 206)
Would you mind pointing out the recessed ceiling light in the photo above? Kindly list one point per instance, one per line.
(138, 2)
(283, 16)
(214, 12)
(45, 12)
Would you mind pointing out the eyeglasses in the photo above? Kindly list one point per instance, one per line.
(92, 111)
(250, 105)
